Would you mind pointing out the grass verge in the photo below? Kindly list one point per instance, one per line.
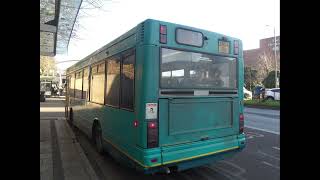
(262, 103)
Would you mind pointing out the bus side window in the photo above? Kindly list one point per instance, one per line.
(85, 83)
(113, 81)
(127, 82)
(97, 84)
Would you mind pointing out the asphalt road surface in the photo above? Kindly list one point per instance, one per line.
(259, 160)
(262, 119)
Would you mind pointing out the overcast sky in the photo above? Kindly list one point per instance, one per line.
(244, 19)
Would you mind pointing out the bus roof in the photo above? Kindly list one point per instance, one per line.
(129, 33)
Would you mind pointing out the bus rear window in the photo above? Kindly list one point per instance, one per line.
(189, 70)
(188, 37)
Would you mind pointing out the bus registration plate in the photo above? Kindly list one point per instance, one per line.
(224, 47)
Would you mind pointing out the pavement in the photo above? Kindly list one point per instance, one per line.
(61, 156)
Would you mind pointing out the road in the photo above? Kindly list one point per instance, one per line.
(262, 119)
(259, 160)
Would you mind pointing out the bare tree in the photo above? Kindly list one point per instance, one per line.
(47, 65)
(266, 64)
(85, 12)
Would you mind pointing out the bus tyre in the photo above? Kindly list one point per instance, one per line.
(97, 137)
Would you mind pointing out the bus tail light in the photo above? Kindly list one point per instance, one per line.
(163, 29)
(236, 47)
(163, 34)
(152, 132)
(241, 123)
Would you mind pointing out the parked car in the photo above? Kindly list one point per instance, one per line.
(247, 94)
(273, 94)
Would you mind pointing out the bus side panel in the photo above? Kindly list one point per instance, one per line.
(147, 84)
(241, 76)
(84, 115)
(117, 125)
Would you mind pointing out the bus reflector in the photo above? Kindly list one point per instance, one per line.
(152, 134)
(241, 123)
(154, 160)
(135, 123)
(236, 47)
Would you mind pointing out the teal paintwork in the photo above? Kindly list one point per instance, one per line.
(182, 140)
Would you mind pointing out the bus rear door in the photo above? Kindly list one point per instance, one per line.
(185, 120)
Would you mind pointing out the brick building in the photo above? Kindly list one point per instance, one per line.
(266, 45)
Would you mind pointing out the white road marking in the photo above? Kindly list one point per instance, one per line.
(250, 135)
(277, 167)
(227, 173)
(241, 170)
(273, 132)
(265, 154)
(277, 148)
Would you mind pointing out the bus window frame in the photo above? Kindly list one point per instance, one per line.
(125, 54)
(73, 74)
(176, 32)
(106, 78)
(197, 51)
(76, 74)
(83, 69)
(122, 54)
(90, 79)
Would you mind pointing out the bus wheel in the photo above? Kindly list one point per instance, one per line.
(71, 116)
(97, 137)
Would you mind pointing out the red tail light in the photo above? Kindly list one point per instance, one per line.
(152, 125)
(152, 131)
(241, 123)
(163, 29)
(163, 34)
(236, 47)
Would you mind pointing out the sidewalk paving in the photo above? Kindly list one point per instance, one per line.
(61, 156)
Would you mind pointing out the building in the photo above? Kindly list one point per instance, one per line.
(266, 45)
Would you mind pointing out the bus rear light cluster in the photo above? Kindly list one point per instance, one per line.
(163, 34)
(241, 123)
(236, 47)
(153, 135)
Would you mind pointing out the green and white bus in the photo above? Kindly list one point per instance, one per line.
(161, 97)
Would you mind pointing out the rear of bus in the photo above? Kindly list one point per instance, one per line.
(192, 87)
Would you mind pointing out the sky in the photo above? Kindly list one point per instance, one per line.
(243, 19)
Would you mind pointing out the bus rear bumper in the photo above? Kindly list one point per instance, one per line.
(181, 157)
